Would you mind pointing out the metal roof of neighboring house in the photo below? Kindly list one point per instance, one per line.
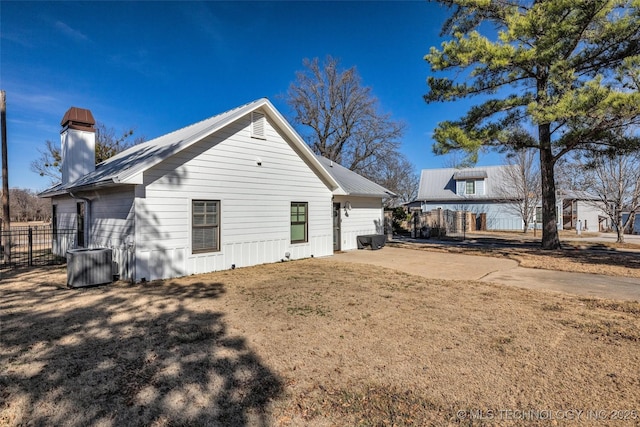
(440, 184)
(127, 167)
(470, 174)
(352, 183)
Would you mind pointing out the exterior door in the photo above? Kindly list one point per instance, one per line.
(336, 226)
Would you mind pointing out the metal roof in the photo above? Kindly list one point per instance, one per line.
(351, 183)
(440, 184)
(470, 174)
(127, 167)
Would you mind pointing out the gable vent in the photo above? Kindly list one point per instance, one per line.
(258, 125)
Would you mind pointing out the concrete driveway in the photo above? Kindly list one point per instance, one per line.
(452, 266)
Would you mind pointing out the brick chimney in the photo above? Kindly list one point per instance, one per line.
(78, 143)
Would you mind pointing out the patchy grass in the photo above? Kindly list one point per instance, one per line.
(594, 258)
(310, 342)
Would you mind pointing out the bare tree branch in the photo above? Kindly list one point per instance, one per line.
(347, 127)
(519, 187)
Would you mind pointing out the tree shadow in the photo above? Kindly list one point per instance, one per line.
(592, 253)
(147, 354)
(595, 255)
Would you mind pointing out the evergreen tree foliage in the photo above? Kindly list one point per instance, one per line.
(554, 75)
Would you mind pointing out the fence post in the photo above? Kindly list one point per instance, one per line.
(30, 243)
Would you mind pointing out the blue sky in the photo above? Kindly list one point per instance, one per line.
(159, 66)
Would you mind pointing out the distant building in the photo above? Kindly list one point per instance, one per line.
(485, 192)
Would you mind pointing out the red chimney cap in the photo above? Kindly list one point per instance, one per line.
(78, 118)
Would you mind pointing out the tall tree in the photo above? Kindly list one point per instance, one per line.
(27, 206)
(345, 123)
(557, 67)
(397, 174)
(108, 144)
(519, 185)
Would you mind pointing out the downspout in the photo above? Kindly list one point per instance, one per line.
(87, 220)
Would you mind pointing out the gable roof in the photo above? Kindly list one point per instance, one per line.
(440, 184)
(128, 166)
(351, 183)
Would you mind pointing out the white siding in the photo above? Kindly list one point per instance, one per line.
(66, 220)
(112, 226)
(365, 217)
(254, 204)
(588, 214)
(109, 223)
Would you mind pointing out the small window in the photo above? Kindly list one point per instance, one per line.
(258, 125)
(470, 187)
(298, 222)
(80, 215)
(539, 215)
(205, 226)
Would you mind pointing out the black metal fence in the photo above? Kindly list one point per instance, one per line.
(31, 246)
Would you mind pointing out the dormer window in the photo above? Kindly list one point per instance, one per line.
(470, 182)
(470, 187)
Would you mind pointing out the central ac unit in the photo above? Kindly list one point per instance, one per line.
(89, 267)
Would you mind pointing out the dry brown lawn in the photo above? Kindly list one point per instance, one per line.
(312, 342)
(611, 259)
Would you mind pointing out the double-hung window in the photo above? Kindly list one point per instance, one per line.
(470, 187)
(299, 217)
(205, 226)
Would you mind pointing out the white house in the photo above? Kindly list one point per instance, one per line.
(582, 210)
(485, 190)
(238, 189)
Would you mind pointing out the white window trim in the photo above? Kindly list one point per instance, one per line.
(219, 235)
(466, 186)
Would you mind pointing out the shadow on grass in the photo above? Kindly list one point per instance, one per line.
(587, 252)
(126, 355)
(596, 255)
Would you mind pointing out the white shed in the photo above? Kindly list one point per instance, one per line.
(238, 189)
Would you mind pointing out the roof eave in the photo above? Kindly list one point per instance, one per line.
(87, 187)
(47, 194)
(465, 199)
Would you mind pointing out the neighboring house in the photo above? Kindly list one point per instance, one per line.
(581, 208)
(477, 190)
(485, 192)
(636, 226)
(238, 189)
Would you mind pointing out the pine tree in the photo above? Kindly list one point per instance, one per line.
(551, 75)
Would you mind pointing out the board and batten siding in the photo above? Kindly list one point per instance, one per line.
(366, 216)
(255, 181)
